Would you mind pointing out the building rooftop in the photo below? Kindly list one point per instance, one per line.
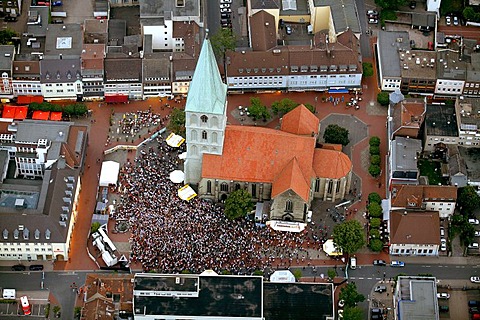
(414, 227)
(156, 65)
(298, 301)
(63, 40)
(153, 9)
(6, 57)
(473, 69)
(417, 298)
(413, 196)
(408, 116)
(123, 69)
(263, 31)
(449, 66)
(468, 110)
(117, 30)
(389, 43)
(472, 161)
(404, 154)
(39, 28)
(60, 70)
(266, 4)
(440, 120)
(344, 14)
(418, 64)
(95, 31)
(196, 295)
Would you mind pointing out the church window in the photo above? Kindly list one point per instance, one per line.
(194, 151)
(193, 119)
(215, 122)
(224, 187)
(214, 137)
(254, 190)
(289, 206)
(337, 189)
(193, 135)
(204, 135)
(209, 186)
(330, 186)
(204, 119)
(317, 185)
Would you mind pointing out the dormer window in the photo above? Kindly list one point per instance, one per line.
(47, 76)
(58, 75)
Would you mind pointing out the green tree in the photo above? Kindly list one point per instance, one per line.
(375, 222)
(336, 134)
(367, 69)
(383, 98)
(297, 273)
(331, 273)
(374, 210)
(374, 141)
(390, 4)
(374, 170)
(257, 110)
(349, 236)
(375, 159)
(223, 41)
(467, 235)
(95, 226)
(283, 106)
(177, 122)
(468, 200)
(350, 295)
(376, 245)
(354, 313)
(238, 204)
(77, 312)
(6, 36)
(310, 107)
(374, 233)
(374, 197)
(374, 150)
(56, 310)
(469, 13)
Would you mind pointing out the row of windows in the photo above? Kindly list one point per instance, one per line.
(224, 187)
(407, 251)
(21, 249)
(472, 85)
(450, 89)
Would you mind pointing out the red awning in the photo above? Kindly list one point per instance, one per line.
(8, 112)
(117, 98)
(56, 116)
(20, 113)
(41, 115)
(29, 99)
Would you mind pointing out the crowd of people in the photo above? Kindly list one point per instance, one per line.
(132, 122)
(170, 235)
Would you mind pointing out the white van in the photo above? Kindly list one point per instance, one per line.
(353, 263)
(9, 294)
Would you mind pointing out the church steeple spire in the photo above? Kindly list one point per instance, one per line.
(207, 93)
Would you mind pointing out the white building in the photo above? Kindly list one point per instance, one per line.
(61, 79)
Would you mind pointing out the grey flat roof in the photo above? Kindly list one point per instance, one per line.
(39, 30)
(472, 161)
(404, 153)
(469, 111)
(473, 69)
(161, 8)
(156, 65)
(6, 57)
(344, 13)
(117, 29)
(418, 299)
(297, 301)
(388, 44)
(218, 296)
(53, 41)
(450, 67)
(33, 130)
(440, 120)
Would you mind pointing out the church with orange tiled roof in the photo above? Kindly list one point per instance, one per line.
(286, 168)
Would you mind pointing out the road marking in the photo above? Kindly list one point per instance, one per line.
(369, 278)
(427, 266)
(353, 278)
(361, 278)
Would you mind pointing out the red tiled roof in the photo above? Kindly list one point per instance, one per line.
(414, 227)
(412, 196)
(331, 164)
(300, 121)
(291, 178)
(41, 115)
(258, 154)
(56, 115)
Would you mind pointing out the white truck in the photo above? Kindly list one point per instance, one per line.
(9, 294)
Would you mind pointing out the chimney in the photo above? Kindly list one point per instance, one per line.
(61, 57)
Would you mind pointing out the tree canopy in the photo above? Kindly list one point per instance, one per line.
(222, 41)
(374, 209)
(336, 134)
(367, 69)
(177, 122)
(352, 313)
(468, 200)
(374, 170)
(350, 295)
(258, 110)
(383, 98)
(283, 106)
(238, 204)
(374, 141)
(374, 197)
(349, 236)
(6, 36)
(390, 4)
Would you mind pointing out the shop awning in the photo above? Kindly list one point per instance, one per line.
(56, 116)
(41, 115)
(20, 113)
(8, 112)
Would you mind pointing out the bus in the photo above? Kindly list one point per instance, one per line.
(25, 305)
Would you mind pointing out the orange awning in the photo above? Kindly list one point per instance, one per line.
(41, 115)
(56, 116)
(21, 113)
(8, 112)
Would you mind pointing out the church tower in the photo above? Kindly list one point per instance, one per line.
(205, 113)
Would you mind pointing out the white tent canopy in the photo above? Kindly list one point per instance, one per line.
(286, 226)
(109, 173)
(186, 193)
(177, 176)
(282, 276)
(330, 248)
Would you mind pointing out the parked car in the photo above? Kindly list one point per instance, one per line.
(396, 263)
(288, 29)
(477, 233)
(225, 1)
(379, 263)
(473, 303)
(18, 267)
(10, 19)
(443, 308)
(473, 221)
(57, 21)
(373, 21)
(442, 232)
(473, 245)
(443, 245)
(225, 10)
(448, 20)
(380, 289)
(57, 3)
(341, 303)
(443, 295)
(353, 263)
(225, 5)
(36, 267)
(475, 279)
(372, 13)
(456, 22)
(473, 310)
